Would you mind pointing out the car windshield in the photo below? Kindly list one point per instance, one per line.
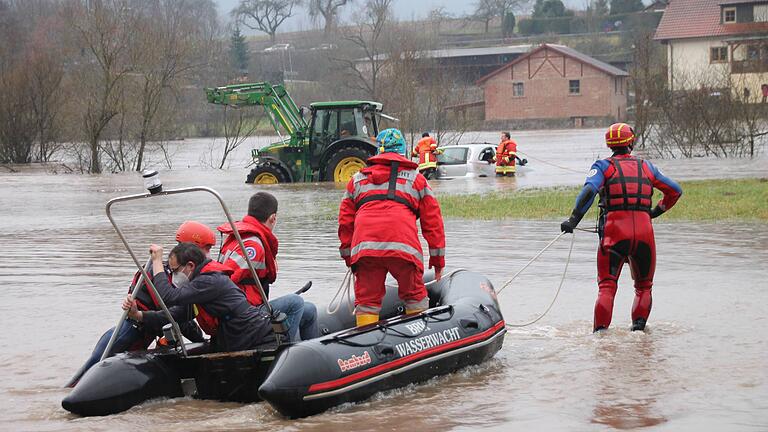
(453, 156)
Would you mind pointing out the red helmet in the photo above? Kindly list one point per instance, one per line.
(197, 233)
(619, 135)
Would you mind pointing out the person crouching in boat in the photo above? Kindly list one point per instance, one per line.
(625, 184)
(377, 229)
(256, 231)
(137, 336)
(206, 284)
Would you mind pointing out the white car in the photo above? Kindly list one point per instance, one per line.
(467, 160)
(470, 160)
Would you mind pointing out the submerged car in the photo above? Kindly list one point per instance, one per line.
(467, 160)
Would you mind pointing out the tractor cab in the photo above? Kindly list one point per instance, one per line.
(333, 121)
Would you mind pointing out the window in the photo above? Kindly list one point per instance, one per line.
(729, 15)
(718, 54)
(518, 89)
(453, 156)
(347, 122)
(574, 87)
(761, 13)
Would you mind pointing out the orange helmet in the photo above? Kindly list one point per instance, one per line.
(197, 233)
(619, 135)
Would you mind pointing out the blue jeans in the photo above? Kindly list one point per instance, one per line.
(128, 336)
(301, 316)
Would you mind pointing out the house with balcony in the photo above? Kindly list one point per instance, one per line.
(716, 44)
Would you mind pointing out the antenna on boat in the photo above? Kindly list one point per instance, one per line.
(155, 189)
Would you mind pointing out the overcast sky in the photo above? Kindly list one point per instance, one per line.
(404, 10)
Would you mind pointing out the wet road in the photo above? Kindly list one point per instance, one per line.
(703, 364)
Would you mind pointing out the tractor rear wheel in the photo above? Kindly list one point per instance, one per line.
(345, 163)
(267, 174)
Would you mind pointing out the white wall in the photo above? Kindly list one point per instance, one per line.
(689, 65)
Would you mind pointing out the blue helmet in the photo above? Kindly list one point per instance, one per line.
(391, 140)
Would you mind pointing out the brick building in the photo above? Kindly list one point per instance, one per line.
(554, 86)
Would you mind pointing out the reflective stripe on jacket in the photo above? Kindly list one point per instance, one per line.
(379, 222)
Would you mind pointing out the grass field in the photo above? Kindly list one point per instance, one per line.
(705, 200)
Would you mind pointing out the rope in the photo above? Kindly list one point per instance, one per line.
(345, 287)
(562, 279)
(550, 163)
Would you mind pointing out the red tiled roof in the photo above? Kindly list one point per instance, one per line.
(700, 18)
(566, 51)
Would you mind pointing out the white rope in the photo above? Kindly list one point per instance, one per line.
(345, 287)
(550, 163)
(562, 279)
(535, 257)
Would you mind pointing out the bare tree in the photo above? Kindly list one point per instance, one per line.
(172, 45)
(239, 125)
(367, 35)
(103, 30)
(329, 10)
(487, 10)
(266, 15)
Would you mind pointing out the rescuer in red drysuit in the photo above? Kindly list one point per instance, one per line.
(625, 184)
(377, 229)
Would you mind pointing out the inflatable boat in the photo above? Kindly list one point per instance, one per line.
(463, 326)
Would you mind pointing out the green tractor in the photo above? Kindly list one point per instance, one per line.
(333, 146)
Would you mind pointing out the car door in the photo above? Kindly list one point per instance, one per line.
(452, 162)
(482, 162)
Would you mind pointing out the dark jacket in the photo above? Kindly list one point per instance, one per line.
(241, 325)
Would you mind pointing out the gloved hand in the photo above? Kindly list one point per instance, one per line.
(438, 273)
(524, 162)
(568, 225)
(656, 212)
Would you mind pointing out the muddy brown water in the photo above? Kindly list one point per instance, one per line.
(702, 364)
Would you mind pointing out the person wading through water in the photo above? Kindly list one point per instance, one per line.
(625, 184)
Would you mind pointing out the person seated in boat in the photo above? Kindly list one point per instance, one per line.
(135, 336)
(261, 244)
(378, 233)
(206, 284)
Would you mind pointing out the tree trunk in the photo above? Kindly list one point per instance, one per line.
(328, 30)
(272, 37)
(95, 162)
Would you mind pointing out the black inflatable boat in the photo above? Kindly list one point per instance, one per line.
(463, 326)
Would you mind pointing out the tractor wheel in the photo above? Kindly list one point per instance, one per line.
(345, 163)
(267, 174)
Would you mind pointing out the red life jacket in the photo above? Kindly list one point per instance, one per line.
(627, 186)
(506, 152)
(205, 320)
(145, 298)
(254, 234)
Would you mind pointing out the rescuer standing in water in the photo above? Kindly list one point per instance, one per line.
(506, 154)
(625, 184)
(378, 234)
(426, 150)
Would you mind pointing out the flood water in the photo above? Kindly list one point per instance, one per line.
(702, 364)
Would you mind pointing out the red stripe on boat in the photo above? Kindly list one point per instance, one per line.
(403, 360)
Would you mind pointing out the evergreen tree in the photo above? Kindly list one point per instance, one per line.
(508, 25)
(626, 6)
(549, 9)
(238, 51)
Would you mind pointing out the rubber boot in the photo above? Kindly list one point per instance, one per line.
(638, 324)
(365, 319)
